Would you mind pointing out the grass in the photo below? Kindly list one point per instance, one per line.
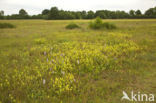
(40, 41)
(41, 61)
(6, 25)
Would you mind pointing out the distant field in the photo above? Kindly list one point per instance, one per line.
(43, 62)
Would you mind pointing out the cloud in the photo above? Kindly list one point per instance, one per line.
(36, 6)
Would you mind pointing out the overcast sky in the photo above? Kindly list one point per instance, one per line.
(36, 6)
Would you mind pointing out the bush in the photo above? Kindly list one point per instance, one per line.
(72, 26)
(98, 24)
(6, 25)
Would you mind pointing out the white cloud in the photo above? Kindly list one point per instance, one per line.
(36, 6)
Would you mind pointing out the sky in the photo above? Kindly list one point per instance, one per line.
(36, 6)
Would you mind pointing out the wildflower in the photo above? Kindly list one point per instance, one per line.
(45, 53)
(50, 69)
(63, 72)
(105, 45)
(115, 58)
(44, 81)
(52, 72)
(78, 62)
(62, 61)
(50, 62)
(62, 54)
(53, 61)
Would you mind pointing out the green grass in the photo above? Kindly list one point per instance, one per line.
(42, 61)
(6, 25)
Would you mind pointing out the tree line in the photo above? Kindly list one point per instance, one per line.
(55, 14)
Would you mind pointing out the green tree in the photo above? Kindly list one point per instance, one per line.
(151, 13)
(101, 14)
(45, 12)
(1, 14)
(90, 15)
(66, 15)
(138, 12)
(22, 12)
(53, 13)
(132, 13)
(83, 14)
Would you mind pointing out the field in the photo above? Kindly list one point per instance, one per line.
(43, 62)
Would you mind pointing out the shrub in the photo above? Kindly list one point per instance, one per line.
(98, 24)
(72, 26)
(6, 25)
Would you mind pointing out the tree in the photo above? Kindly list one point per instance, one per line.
(83, 14)
(77, 15)
(90, 15)
(151, 13)
(1, 14)
(138, 12)
(53, 13)
(39, 16)
(101, 14)
(66, 15)
(22, 12)
(45, 12)
(123, 14)
(132, 13)
(113, 15)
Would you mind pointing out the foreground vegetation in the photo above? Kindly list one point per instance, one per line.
(42, 61)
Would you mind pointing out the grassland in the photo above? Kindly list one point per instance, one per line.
(43, 62)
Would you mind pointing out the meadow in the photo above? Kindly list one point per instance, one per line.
(43, 62)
